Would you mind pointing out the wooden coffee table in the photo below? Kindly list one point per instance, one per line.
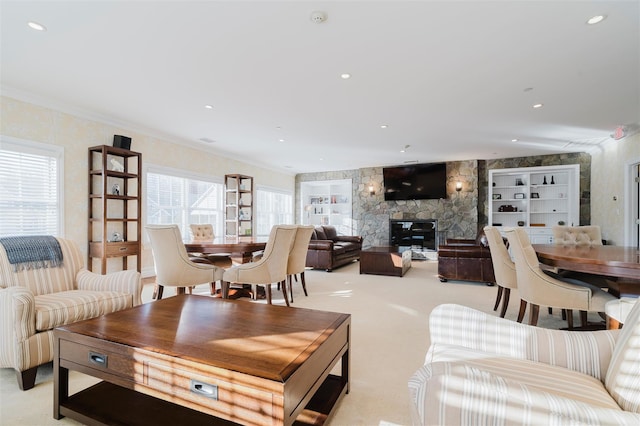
(199, 360)
(385, 261)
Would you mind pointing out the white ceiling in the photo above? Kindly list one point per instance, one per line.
(455, 80)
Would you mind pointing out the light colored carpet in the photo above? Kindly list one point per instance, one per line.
(389, 340)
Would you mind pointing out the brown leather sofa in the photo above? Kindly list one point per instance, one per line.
(466, 260)
(328, 250)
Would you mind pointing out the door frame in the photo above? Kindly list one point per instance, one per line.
(631, 203)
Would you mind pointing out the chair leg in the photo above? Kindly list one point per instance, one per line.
(268, 291)
(284, 292)
(498, 298)
(505, 302)
(212, 284)
(564, 314)
(27, 378)
(157, 292)
(533, 314)
(290, 283)
(583, 319)
(304, 284)
(523, 308)
(569, 318)
(225, 289)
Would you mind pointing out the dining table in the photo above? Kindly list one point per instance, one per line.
(620, 264)
(240, 249)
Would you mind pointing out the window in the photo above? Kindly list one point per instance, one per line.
(30, 188)
(273, 207)
(177, 197)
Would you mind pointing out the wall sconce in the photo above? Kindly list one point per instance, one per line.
(372, 191)
(458, 186)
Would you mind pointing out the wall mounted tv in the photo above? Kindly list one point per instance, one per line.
(415, 182)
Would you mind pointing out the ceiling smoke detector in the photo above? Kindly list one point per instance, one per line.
(318, 17)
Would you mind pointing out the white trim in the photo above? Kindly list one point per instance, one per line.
(23, 145)
(274, 189)
(172, 171)
(630, 201)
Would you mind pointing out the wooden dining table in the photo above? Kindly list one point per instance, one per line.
(620, 263)
(240, 249)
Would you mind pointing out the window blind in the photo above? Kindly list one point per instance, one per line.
(30, 189)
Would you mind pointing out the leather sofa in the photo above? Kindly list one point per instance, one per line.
(328, 250)
(466, 260)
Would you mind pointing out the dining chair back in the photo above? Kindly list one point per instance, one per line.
(271, 268)
(504, 270)
(539, 288)
(202, 231)
(298, 257)
(172, 264)
(577, 235)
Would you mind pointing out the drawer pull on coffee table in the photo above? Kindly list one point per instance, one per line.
(97, 358)
(204, 389)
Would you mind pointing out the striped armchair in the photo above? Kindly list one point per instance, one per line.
(35, 301)
(486, 370)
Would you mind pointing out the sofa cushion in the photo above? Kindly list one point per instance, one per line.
(489, 389)
(330, 232)
(338, 248)
(67, 307)
(320, 233)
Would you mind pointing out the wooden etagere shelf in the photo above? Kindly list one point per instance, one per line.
(238, 207)
(115, 185)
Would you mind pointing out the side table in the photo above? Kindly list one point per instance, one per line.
(385, 261)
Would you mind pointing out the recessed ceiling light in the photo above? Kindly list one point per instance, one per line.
(208, 106)
(36, 26)
(514, 140)
(596, 19)
(345, 76)
(321, 158)
(537, 106)
(281, 140)
(384, 126)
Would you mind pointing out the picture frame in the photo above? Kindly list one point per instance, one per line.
(519, 182)
(535, 195)
(519, 196)
(497, 196)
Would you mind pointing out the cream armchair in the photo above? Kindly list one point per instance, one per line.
(271, 268)
(35, 301)
(172, 264)
(538, 288)
(481, 369)
(504, 271)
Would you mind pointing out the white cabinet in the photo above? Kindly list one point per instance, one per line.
(327, 202)
(536, 198)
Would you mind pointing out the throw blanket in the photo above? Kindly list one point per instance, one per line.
(32, 252)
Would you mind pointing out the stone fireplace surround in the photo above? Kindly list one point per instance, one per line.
(460, 215)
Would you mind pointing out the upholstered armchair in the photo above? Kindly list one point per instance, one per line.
(481, 369)
(35, 300)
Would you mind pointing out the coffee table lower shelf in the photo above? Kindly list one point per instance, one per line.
(107, 404)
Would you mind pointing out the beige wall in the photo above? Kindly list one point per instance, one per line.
(40, 124)
(608, 173)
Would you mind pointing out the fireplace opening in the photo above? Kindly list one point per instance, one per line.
(418, 235)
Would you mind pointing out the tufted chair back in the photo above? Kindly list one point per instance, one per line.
(202, 232)
(577, 235)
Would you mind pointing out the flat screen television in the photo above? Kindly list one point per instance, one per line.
(415, 182)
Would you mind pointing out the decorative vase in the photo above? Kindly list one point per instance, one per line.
(552, 182)
(544, 181)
